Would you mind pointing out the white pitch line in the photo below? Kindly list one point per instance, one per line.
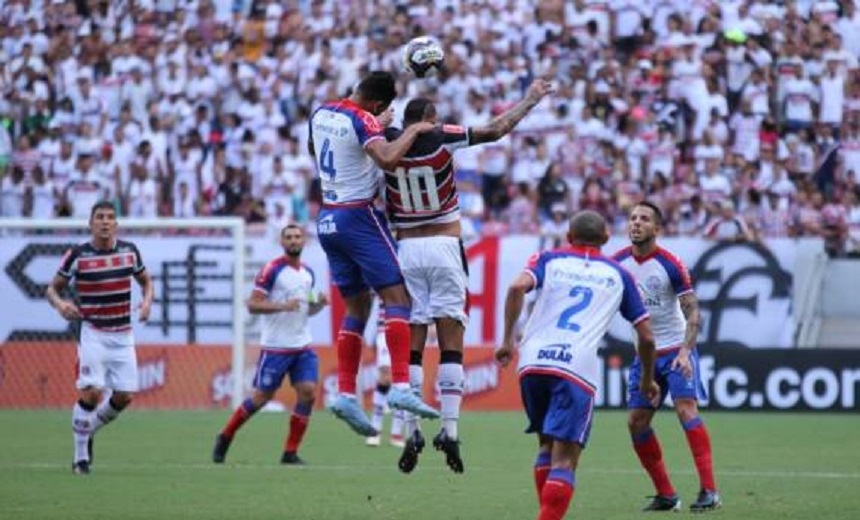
(777, 474)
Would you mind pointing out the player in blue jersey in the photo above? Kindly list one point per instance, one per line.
(580, 292)
(349, 146)
(671, 301)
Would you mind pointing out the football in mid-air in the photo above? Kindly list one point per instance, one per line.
(423, 56)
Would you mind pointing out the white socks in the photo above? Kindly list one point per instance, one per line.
(451, 390)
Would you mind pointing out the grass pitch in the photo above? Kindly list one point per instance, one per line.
(156, 465)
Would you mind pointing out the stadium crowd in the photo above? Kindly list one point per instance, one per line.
(741, 118)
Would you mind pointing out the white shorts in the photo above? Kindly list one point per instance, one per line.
(437, 278)
(107, 360)
(383, 356)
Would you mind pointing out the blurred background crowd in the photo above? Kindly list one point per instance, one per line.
(741, 118)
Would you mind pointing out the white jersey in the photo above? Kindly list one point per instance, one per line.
(662, 278)
(281, 282)
(580, 292)
(340, 131)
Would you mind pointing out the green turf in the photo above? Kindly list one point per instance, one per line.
(154, 465)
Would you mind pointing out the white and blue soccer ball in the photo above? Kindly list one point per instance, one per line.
(423, 56)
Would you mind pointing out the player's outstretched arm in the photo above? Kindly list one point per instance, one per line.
(513, 308)
(386, 154)
(506, 121)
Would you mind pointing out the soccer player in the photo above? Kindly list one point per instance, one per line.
(424, 207)
(670, 299)
(101, 271)
(284, 297)
(580, 292)
(348, 143)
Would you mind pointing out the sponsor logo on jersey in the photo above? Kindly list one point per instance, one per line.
(558, 352)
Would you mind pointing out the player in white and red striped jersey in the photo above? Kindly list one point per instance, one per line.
(101, 271)
(423, 206)
(668, 294)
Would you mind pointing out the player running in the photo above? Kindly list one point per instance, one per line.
(349, 146)
(423, 205)
(101, 271)
(283, 296)
(580, 292)
(670, 298)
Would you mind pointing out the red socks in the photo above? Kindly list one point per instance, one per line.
(298, 425)
(239, 417)
(349, 344)
(541, 471)
(700, 447)
(651, 456)
(397, 337)
(556, 494)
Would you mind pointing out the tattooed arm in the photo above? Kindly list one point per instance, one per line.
(501, 125)
(690, 308)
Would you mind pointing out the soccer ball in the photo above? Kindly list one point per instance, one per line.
(423, 56)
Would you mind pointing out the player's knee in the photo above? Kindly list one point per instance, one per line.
(90, 396)
(306, 394)
(638, 423)
(686, 409)
(121, 400)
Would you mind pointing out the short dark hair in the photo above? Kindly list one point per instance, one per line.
(292, 225)
(102, 204)
(588, 227)
(417, 110)
(658, 214)
(378, 86)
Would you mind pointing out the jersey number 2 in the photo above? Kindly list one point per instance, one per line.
(565, 320)
(409, 185)
(327, 160)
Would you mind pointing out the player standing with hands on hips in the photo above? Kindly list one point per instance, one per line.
(101, 271)
(283, 295)
(671, 300)
(349, 145)
(580, 292)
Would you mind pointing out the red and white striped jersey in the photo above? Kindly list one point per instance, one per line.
(103, 282)
(422, 189)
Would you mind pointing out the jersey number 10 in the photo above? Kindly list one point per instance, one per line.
(409, 185)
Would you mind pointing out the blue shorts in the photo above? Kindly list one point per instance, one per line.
(360, 250)
(557, 407)
(302, 366)
(670, 381)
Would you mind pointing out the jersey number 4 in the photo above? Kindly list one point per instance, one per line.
(327, 160)
(409, 185)
(583, 295)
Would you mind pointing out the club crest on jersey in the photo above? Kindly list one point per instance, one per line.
(557, 352)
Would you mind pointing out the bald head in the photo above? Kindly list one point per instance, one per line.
(587, 228)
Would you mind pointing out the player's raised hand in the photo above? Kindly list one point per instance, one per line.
(538, 89)
(682, 363)
(143, 310)
(69, 310)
